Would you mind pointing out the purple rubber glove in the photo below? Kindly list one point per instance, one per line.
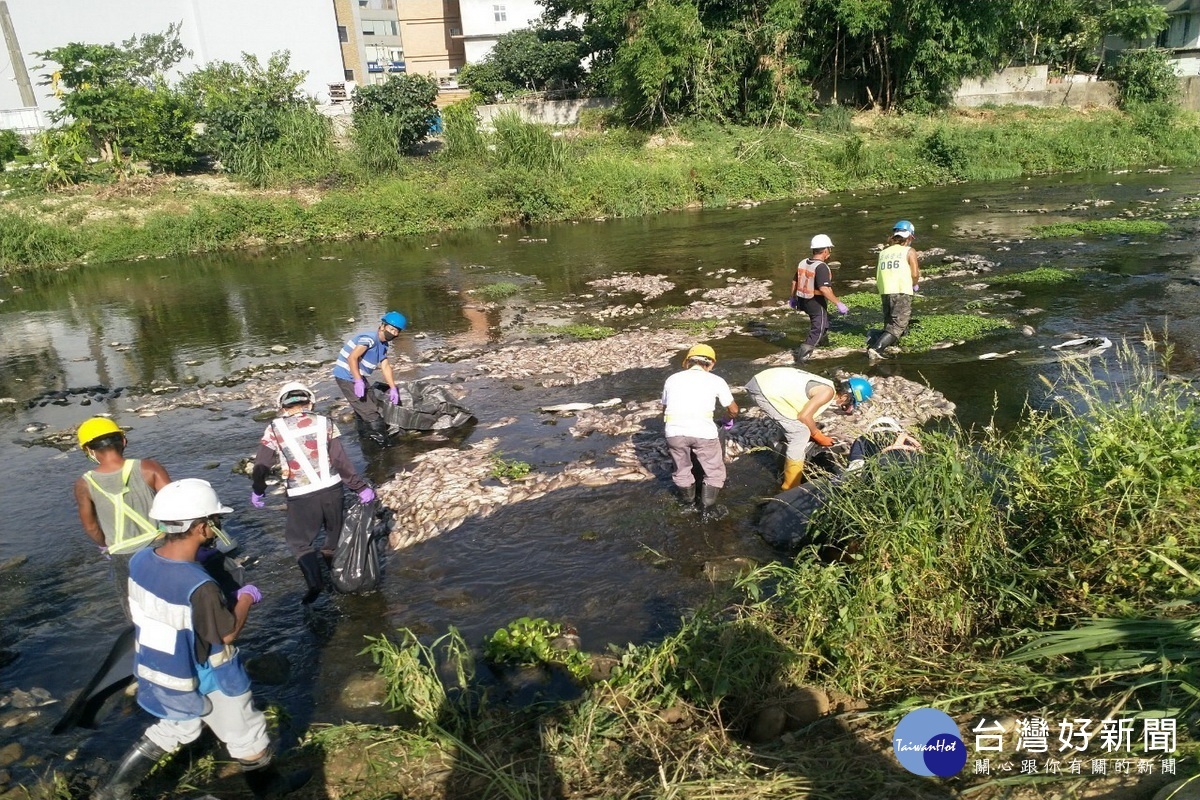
(104, 552)
(916, 288)
(366, 495)
(251, 591)
(360, 388)
(728, 424)
(394, 396)
(794, 302)
(205, 553)
(842, 308)
(257, 500)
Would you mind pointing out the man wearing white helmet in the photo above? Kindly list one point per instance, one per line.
(189, 673)
(896, 276)
(812, 292)
(314, 466)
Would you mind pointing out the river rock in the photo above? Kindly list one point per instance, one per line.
(11, 753)
(767, 725)
(13, 563)
(602, 667)
(364, 691)
(272, 669)
(1187, 789)
(806, 705)
(5, 777)
(279, 348)
(728, 569)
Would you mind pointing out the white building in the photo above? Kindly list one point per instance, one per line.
(483, 21)
(214, 30)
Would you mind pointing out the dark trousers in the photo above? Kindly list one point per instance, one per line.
(817, 309)
(307, 514)
(897, 312)
(365, 408)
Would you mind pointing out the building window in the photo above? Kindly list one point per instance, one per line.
(349, 73)
(343, 34)
(368, 27)
(500, 13)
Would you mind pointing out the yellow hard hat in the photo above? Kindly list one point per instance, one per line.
(701, 350)
(94, 428)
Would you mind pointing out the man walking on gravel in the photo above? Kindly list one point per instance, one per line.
(812, 292)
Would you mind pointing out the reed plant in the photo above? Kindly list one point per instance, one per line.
(463, 138)
(526, 145)
(1110, 474)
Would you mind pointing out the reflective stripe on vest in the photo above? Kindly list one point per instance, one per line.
(292, 450)
(122, 511)
(892, 274)
(806, 278)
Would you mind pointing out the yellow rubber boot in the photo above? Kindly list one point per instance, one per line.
(792, 470)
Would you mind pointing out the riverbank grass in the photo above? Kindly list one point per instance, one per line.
(522, 174)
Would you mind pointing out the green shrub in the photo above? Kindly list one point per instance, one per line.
(11, 146)
(528, 145)
(528, 642)
(512, 469)
(941, 149)
(406, 102)
(1145, 76)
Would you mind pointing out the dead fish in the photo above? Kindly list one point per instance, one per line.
(563, 408)
(993, 356)
(1095, 344)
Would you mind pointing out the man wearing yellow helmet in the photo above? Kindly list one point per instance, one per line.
(114, 498)
(688, 398)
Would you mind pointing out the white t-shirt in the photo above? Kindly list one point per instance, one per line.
(690, 397)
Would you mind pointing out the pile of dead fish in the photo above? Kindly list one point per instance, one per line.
(649, 286)
(740, 292)
(444, 488)
(573, 362)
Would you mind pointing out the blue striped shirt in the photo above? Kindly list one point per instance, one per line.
(376, 353)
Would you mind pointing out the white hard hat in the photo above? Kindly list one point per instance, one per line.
(293, 390)
(820, 242)
(181, 502)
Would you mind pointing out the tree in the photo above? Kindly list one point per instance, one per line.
(525, 60)
(655, 67)
(116, 96)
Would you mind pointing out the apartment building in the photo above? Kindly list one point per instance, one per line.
(483, 22)
(432, 35)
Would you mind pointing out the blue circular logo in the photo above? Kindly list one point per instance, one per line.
(927, 742)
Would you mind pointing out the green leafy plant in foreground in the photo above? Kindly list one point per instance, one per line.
(512, 469)
(529, 642)
(1129, 227)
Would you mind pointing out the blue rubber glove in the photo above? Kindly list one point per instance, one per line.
(251, 591)
(360, 388)
(842, 308)
(257, 500)
(366, 495)
(394, 396)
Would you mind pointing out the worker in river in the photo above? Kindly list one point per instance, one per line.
(689, 397)
(795, 398)
(114, 498)
(812, 292)
(359, 357)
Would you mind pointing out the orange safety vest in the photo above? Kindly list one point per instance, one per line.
(806, 278)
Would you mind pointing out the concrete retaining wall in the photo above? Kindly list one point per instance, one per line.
(546, 112)
(1032, 86)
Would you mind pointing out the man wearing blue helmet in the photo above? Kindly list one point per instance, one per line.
(360, 356)
(896, 276)
(795, 398)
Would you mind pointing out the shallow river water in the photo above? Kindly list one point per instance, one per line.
(620, 563)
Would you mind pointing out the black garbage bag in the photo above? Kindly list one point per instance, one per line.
(355, 567)
(784, 519)
(424, 406)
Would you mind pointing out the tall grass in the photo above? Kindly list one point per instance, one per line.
(527, 145)
(464, 140)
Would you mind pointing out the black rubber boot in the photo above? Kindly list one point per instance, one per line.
(708, 496)
(268, 781)
(802, 352)
(310, 567)
(133, 769)
(687, 495)
(377, 432)
(876, 347)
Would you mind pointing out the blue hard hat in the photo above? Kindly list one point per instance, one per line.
(860, 390)
(395, 319)
(904, 226)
